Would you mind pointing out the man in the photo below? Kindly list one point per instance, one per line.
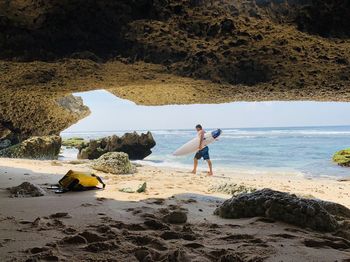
(203, 151)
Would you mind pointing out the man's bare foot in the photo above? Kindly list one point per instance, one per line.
(209, 173)
(193, 172)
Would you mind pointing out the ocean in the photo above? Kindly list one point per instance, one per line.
(285, 150)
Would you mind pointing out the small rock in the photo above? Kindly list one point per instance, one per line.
(176, 217)
(60, 215)
(26, 189)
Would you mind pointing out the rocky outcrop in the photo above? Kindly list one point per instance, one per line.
(30, 113)
(342, 157)
(306, 213)
(114, 163)
(73, 142)
(46, 147)
(166, 52)
(135, 145)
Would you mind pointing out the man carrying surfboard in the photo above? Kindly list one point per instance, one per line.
(203, 152)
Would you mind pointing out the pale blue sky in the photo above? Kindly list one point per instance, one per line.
(112, 113)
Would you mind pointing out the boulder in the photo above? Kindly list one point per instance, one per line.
(115, 163)
(342, 157)
(135, 145)
(306, 213)
(39, 147)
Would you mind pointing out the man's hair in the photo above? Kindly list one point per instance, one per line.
(199, 126)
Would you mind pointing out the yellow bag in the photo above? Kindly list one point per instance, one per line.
(78, 181)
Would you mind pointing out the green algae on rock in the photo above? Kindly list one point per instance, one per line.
(231, 188)
(115, 163)
(342, 157)
(44, 147)
(73, 142)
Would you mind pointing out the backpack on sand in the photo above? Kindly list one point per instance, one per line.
(79, 181)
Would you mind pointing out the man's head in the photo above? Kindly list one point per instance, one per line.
(199, 127)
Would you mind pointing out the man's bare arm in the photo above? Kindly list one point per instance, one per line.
(201, 136)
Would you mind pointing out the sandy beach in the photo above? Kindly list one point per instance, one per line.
(120, 226)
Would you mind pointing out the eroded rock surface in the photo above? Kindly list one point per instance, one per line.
(27, 113)
(115, 163)
(26, 189)
(7, 137)
(342, 157)
(135, 145)
(46, 147)
(166, 52)
(306, 213)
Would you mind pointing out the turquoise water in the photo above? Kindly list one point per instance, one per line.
(299, 150)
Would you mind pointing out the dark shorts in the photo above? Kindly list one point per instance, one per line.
(203, 153)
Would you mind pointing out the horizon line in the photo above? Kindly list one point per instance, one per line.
(160, 129)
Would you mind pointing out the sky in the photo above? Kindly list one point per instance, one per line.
(110, 113)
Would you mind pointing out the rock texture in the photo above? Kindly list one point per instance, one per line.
(47, 147)
(306, 213)
(31, 113)
(26, 189)
(115, 163)
(135, 145)
(342, 157)
(7, 137)
(165, 52)
(73, 142)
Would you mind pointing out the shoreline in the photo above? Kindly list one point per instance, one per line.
(222, 169)
(31, 224)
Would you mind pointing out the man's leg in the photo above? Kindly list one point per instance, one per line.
(210, 165)
(195, 164)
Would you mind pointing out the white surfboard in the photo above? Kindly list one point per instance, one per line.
(192, 145)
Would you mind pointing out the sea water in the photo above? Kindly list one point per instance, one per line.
(294, 150)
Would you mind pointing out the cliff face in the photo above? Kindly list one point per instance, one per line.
(49, 29)
(167, 51)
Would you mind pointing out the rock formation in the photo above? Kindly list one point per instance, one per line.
(7, 137)
(342, 157)
(135, 145)
(165, 52)
(73, 142)
(115, 163)
(29, 113)
(26, 189)
(306, 213)
(46, 147)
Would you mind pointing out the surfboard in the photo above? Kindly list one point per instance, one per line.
(192, 145)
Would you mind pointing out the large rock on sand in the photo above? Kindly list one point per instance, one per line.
(306, 213)
(342, 157)
(39, 147)
(135, 145)
(115, 163)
